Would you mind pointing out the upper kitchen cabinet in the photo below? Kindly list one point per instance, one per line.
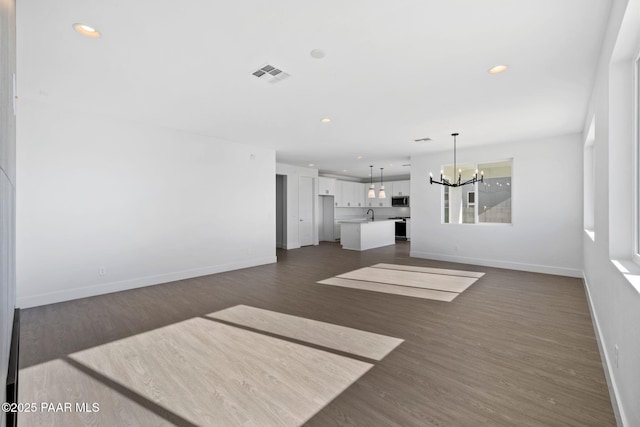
(326, 186)
(358, 194)
(368, 203)
(383, 203)
(349, 194)
(400, 188)
(378, 203)
(354, 194)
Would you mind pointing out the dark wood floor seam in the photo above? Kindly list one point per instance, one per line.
(295, 341)
(426, 272)
(393, 284)
(130, 394)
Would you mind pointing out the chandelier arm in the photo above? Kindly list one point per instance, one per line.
(470, 181)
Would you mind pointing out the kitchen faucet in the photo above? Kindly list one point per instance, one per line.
(373, 214)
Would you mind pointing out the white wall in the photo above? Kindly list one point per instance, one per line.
(545, 235)
(7, 186)
(614, 295)
(293, 174)
(149, 205)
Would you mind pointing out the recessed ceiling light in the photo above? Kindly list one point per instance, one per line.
(359, 158)
(317, 53)
(311, 165)
(86, 30)
(498, 69)
(344, 170)
(326, 120)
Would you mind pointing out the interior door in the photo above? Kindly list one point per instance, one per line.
(305, 206)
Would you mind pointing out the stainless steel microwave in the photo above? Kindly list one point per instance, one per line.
(400, 201)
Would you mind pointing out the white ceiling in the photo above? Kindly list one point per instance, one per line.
(394, 71)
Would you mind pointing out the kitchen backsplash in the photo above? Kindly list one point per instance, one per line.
(345, 213)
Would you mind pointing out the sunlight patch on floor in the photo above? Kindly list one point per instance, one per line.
(204, 371)
(417, 282)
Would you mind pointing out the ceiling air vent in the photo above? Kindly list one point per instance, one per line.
(270, 74)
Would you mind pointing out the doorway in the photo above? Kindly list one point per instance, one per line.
(305, 210)
(281, 211)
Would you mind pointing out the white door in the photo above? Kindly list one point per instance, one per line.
(305, 210)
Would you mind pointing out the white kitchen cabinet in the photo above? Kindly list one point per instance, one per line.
(326, 186)
(383, 203)
(350, 197)
(349, 194)
(377, 203)
(400, 188)
(358, 194)
(363, 235)
(369, 203)
(338, 194)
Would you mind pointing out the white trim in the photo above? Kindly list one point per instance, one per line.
(635, 250)
(606, 363)
(138, 282)
(629, 270)
(588, 176)
(476, 190)
(591, 234)
(535, 268)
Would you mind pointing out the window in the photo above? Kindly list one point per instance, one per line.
(494, 194)
(483, 202)
(589, 181)
(457, 209)
(471, 198)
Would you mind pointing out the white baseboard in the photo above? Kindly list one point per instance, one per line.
(546, 269)
(138, 282)
(604, 354)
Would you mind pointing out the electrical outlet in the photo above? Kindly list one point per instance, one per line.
(615, 355)
(102, 271)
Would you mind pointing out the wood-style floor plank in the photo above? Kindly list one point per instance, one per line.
(514, 349)
(209, 373)
(414, 279)
(348, 340)
(464, 273)
(407, 291)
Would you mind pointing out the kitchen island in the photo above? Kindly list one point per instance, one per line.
(360, 235)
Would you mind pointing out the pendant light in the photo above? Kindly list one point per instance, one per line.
(381, 193)
(372, 189)
(456, 182)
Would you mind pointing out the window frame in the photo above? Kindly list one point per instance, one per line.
(635, 252)
(476, 195)
(588, 155)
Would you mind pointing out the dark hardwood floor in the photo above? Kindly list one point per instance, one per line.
(515, 349)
